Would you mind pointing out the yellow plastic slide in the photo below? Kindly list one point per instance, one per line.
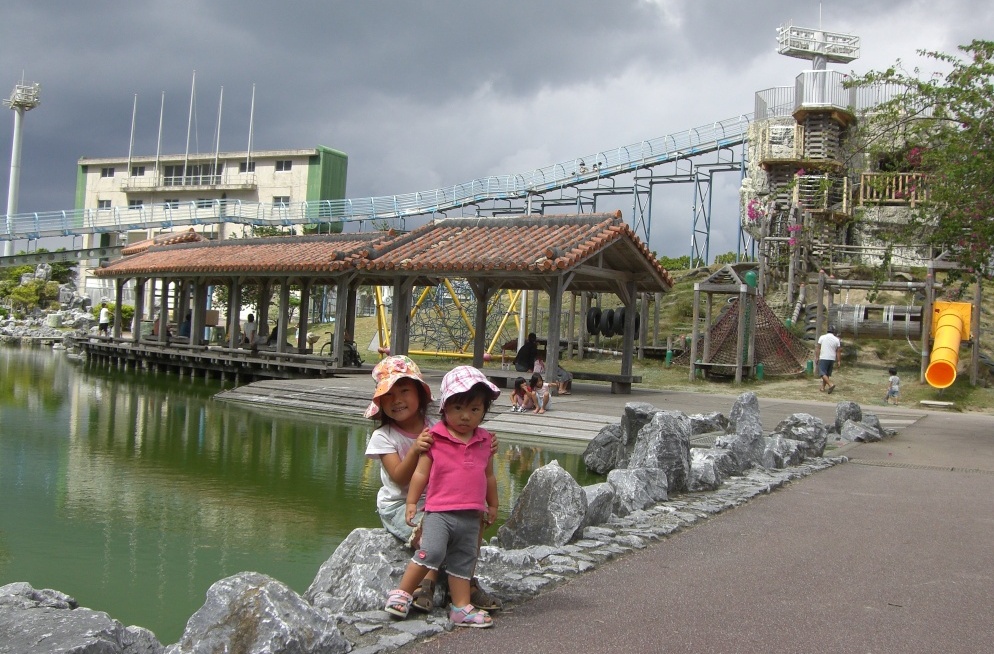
(950, 327)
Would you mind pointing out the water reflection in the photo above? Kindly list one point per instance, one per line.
(134, 493)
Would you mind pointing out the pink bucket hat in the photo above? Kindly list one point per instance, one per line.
(386, 373)
(462, 378)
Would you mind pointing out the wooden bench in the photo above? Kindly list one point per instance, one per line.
(620, 384)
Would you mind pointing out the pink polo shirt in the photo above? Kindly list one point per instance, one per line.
(458, 479)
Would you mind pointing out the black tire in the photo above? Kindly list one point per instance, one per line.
(607, 323)
(593, 321)
(618, 322)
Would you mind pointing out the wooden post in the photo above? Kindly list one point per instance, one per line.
(740, 335)
(693, 331)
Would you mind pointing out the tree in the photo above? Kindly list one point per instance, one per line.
(942, 126)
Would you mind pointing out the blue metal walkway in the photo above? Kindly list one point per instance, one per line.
(576, 172)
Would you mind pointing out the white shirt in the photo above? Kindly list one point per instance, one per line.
(104, 315)
(390, 440)
(248, 329)
(829, 344)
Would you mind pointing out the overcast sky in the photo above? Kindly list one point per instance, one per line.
(425, 94)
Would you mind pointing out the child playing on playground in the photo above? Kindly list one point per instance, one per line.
(522, 397)
(400, 403)
(541, 393)
(893, 386)
(457, 470)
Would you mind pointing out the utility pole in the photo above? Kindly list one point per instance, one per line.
(23, 98)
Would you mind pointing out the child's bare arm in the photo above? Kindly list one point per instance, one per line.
(419, 480)
(492, 500)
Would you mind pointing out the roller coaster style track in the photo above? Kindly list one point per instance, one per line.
(672, 148)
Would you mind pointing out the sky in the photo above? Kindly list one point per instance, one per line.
(428, 94)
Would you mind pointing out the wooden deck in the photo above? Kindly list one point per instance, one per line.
(342, 397)
(210, 360)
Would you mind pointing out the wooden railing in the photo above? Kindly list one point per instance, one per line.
(892, 188)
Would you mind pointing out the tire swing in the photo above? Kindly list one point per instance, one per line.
(607, 323)
(593, 321)
(618, 323)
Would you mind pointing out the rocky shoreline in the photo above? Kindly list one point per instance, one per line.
(657, 485)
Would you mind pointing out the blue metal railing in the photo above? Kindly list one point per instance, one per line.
(582, 170)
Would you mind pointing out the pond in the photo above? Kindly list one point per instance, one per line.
(134, 492)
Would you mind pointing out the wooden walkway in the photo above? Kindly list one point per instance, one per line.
(344, 397)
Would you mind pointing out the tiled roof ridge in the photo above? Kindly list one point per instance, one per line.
(170, 238)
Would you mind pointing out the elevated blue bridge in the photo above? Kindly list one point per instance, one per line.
(521, 189)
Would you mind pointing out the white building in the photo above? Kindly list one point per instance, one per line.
(156, 188)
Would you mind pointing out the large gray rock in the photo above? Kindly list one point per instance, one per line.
(805, 427)
(873, 422)
(846, 410)
(781, 452)
(550, 510)
(41, 621)
(635, 416)
(600, 503)
(605, 451)
(637, 488)
(707, 423)
(360, 572)
(251, 613)
(857, 431)
(744, 418)
(665, 443)
(709, 468)
(744, 434)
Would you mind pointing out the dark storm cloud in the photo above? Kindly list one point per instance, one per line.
(419, 94)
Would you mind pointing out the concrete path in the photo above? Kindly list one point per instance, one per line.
(891, 552)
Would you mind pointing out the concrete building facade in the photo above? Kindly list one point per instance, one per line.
(139, 189)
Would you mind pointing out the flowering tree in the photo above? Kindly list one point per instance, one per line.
(941, 124)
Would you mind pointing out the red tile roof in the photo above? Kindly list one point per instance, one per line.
(599, 251)
(171, 238)
(525, 249)
(276, 256)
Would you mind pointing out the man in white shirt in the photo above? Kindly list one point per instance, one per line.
(103, 322)
(828, 352)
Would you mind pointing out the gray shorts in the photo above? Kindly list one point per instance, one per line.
(450, 538)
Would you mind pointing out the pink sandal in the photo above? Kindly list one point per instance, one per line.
(399, 603)
(470, 616)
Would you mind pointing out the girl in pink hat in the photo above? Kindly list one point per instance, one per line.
(457, 471)
(400, 404)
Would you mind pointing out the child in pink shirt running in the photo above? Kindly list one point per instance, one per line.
(461, 490)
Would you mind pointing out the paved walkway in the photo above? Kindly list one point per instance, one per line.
(891, 552)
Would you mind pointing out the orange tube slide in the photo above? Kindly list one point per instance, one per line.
(950, 326)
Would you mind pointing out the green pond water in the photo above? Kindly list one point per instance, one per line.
(135, 492)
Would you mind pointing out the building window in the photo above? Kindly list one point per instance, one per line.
(171, 204)
(103, 204)
(106, 172)
(135, 204)
(281, 200)
(204, 203)
(283, 165)
(246, 167)
(138, 171)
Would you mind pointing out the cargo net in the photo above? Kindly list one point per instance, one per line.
(777, 348)
(442, 322)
